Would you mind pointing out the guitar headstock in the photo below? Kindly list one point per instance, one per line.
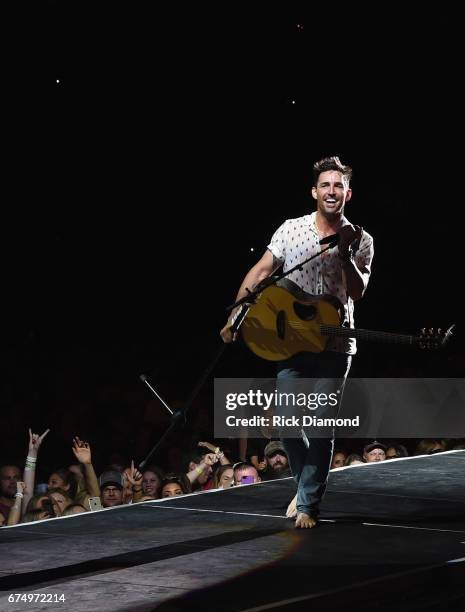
(433, 339)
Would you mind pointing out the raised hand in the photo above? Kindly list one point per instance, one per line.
(347, 235)
(81, 451)
(212, 447)
(21, 487)
(134, 476)
(35, 441)
(210, 459)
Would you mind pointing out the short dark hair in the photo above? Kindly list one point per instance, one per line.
(331, 163)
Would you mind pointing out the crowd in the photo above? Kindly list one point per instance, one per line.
(74, 487)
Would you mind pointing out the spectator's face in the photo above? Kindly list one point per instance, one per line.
(377, 454)
(338, 460)
(171, 489)
(56, 482)
(240, 475)
(227, 479)
(9, 476)
(111, 496)
(278, 462)
(150, 483)
(391, 453)
(59, 502)
(356, 462)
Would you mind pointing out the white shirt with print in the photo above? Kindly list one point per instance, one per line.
(296, 240)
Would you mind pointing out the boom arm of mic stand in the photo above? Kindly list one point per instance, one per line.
(181, 414)
(272, 280)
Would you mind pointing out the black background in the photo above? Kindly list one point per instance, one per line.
(134, 189)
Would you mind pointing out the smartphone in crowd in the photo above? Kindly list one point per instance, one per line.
(95, 503)
(247, 480)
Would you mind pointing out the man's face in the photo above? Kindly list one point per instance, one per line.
(9, 476)
(391, 453)
(171, 489)
(278, 462)
(338, 460)
(111, 496)
(247, 473)
(150, 483)
(377, 454)
(331, 193)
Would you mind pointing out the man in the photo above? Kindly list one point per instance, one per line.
(342, 272)
(277, 464)
(111, 487)
(9, 476)
(374, 452)
(244, 473)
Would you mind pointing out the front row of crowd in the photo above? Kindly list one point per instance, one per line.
(77, 489)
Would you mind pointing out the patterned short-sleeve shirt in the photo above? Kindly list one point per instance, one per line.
(296, 240)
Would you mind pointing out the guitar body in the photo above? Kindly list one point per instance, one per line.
(282, 323)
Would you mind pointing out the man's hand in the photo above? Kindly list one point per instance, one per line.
(227, 334)
(211, 447)
(347, 235)
(81, 451)
(210, 459)
(134, 476)
(35, 441)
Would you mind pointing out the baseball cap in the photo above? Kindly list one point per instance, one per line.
(375, 444)
(274, 447)
(111, 477)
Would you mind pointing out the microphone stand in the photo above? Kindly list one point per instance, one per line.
(179, 417)
(251, 296)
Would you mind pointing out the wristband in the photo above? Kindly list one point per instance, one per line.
(31, 459)
(199, 470)
(19, 494)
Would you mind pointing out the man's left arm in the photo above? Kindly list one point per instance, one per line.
(355, 269)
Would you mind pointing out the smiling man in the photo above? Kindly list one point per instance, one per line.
(342, 272)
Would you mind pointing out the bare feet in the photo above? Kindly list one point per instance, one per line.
(304, 521)
(291, 511)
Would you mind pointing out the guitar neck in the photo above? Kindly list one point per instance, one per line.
(366, 334)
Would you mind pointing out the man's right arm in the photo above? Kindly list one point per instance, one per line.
(261, 270)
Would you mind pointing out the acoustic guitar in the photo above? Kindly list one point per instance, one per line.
(282, 323)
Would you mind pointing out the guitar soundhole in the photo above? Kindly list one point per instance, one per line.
(281, 324)
(306, 312)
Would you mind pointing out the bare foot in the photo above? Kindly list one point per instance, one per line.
(304, 521)
(291, 511)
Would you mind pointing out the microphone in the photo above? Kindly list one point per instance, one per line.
(332, 240)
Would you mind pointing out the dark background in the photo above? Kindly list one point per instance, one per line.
(135, 188)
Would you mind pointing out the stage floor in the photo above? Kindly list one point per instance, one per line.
(392, 533)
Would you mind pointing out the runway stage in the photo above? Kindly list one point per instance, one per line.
(392, 536)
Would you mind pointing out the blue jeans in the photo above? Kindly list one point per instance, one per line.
(310, 457)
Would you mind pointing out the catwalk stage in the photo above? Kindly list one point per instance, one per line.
(392, 536)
